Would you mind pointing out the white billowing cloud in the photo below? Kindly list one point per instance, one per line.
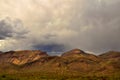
(91, 25)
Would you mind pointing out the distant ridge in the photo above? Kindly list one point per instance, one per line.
(110, 54)
(73, 52)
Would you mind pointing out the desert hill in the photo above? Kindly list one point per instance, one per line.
(74, 62)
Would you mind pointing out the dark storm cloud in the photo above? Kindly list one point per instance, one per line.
(11, 29)
(51, 47)
(5, 30)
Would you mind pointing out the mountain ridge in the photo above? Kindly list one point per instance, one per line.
(73, 61)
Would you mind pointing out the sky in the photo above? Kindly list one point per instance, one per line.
(60, 25)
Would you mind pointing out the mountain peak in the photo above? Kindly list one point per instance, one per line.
(73, 52)
(77, 51)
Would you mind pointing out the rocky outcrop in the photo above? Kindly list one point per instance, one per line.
(22, 57)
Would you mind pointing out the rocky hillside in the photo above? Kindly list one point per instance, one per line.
(21, 57)
(73, 61)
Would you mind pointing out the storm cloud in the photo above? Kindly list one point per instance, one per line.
(12, 32)
(11, 29)
(91, 25)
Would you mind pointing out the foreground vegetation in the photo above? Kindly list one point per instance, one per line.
(52, 76)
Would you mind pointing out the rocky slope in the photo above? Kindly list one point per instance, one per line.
(21, 57)
(74, 61)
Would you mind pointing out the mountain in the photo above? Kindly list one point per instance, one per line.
(79, 54)
(110, 55)
(73, 53)
(73, 63)
(111, 61)
(21, 57)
